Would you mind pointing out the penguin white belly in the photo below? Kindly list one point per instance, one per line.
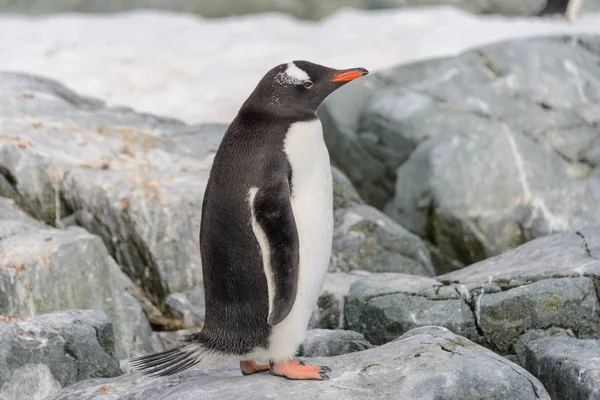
(312, 205)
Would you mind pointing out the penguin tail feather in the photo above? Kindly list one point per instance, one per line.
(169, 362)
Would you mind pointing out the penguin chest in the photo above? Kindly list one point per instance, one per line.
(312, 206)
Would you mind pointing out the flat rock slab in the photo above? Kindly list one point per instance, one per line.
(43, 270)
(568, 367)
(548, 282)
(414, 367)
(42, 354)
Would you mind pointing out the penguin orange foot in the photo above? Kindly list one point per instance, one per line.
(297, 370)
(251, 367)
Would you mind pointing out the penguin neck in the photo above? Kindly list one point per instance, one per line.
(270, 110)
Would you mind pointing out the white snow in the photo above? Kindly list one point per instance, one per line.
(201, 70)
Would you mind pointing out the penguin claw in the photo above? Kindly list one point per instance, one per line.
(325, 368)
(325, 376)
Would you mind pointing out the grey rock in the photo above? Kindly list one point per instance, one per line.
(564, 302)
(568, 367)
(329, 311)
(385, 306)
(172, 339)
(135, 180)
(365, 238)
(328, 342)
(477, 153)
(43, 270)
(41, 354)
(188, 306)
(548, 282)
(414, 367)
(30, 382)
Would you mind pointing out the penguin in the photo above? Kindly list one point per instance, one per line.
(266, 230)
(569, 8)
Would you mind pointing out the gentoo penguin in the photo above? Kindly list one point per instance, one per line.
(266, 229)
(569, 8)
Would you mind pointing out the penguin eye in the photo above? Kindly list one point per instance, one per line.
(307, 84)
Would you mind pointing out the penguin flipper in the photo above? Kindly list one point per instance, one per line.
(275, 229)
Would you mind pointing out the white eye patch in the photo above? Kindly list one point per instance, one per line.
(292, 75)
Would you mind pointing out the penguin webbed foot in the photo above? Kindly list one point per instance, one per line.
(251, 367)
(296, 369)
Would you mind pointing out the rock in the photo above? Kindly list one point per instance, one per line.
(329, 311)
(43, 270)
(548, 282)
(413, 367)
(481, 152)
(188, 306)
(133, 179)
(41, 354)
(172, 339)
(327, 343)
(568, 367)
(365, 238)
(385, 306)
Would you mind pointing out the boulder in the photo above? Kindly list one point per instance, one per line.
(548, 282)
(43, 270)
(481, 152)
(413, 367)
(135, 180)
(365, 238)
(568, 367)
(329, 311)
(332, 342)
(42, 354)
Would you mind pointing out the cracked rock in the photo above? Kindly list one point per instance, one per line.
(568, 367)
(39, 355)
(548, 282)
(416, 366)
(481, 152)
(43, 269)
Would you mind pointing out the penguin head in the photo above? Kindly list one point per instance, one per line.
(299, 87)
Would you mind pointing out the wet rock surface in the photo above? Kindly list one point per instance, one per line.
(413, 367)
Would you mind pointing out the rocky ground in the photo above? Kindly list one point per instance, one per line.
(465, 264)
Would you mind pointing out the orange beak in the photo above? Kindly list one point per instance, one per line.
(350, 75)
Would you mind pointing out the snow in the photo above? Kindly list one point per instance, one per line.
(201, 70)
